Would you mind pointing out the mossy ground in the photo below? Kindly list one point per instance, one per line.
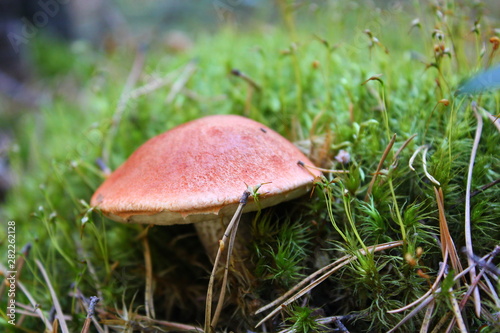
(313, 70)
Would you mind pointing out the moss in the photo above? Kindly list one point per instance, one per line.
(313, 90)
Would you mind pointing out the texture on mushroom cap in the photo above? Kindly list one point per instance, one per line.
(197, 172)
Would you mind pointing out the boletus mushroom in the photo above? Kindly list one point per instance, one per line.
(197, 172)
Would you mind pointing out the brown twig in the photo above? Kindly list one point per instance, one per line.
(209, 322)
(248, 79)
(90, 313)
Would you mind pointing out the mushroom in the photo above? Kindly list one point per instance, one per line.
(196, 173)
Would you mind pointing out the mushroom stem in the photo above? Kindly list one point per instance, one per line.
(211, 232)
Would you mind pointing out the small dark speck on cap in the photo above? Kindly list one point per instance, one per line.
(263, 130)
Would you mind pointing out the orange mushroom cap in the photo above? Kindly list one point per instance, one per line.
(197, 172)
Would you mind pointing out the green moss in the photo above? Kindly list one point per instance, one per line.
(313, 90)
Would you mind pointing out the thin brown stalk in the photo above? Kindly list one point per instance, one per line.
(90, 314)
(485, 187)
(403, 146)
(251, 82)
(379, 167)
(86, 325)
(57, 305)
(449, 248)
(232, 237)
(78, 294)
(210, 324)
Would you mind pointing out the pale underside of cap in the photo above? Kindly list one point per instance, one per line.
(198, 171)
